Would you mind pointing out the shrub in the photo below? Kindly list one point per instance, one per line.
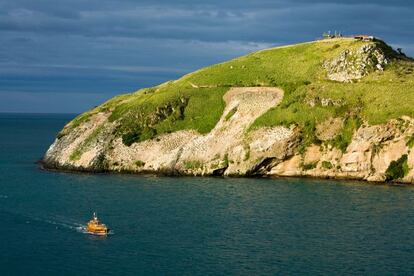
(139, 163)
(310, 166)
(231, 113)
(60, 135)
(131, 137)
(327, 165)
(410, 142)
(397, 168)
(226, 160)
(308, 136)
(345, 137)
(247, 155)
(193, 164)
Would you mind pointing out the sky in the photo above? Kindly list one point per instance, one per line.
(67, 56)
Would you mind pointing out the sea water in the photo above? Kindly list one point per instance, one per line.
(190, 226)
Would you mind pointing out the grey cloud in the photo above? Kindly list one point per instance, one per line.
(112, 46)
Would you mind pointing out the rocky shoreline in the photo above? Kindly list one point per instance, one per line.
(341, 146)
(262, 152)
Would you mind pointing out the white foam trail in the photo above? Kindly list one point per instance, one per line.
(60, 221)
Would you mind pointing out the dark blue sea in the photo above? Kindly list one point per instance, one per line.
(190, 226)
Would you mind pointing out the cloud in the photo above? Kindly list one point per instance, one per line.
(112, 46)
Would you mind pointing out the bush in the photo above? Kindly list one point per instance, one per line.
(226, 160)
(139, 163)
(397, 169)
(308, 136)
(247, 155)
(309, 166)
(131, 137)
(193, 164)
(327, 165)
(231, 113)
(410, 142)
(343, 140)
(336, 46)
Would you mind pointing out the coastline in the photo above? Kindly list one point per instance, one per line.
(45, 167)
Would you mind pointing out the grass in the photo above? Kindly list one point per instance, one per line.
(137, 112)
(195, 101)
(193, 164)
(145, 115)
(372, 100)
(343, 139)
(231, 113)
(77, 153)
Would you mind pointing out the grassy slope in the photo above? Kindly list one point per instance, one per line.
(297, 69)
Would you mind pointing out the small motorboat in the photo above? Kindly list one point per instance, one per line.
(95, 227)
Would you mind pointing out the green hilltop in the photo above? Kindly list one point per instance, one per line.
(195, 101)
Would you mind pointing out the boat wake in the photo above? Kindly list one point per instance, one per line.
(70, 224)
(59, 222)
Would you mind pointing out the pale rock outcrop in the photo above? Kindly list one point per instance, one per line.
(355, 64)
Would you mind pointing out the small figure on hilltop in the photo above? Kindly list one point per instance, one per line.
(334, 35)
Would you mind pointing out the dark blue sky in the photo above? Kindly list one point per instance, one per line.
(69, 55)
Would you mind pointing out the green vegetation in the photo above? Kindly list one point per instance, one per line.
(146, 115)
(226, 160)
(84, 117)
(308, 136)
(342, 140)
(327, 165)
(247, 155)
(193, 164)
(195, 101)
(410, 142)
(309, 166)
(373, 99)
(139, 163)
(397, 169)
(77, 153)
(231, 113)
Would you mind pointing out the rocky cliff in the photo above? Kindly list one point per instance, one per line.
(323, 109)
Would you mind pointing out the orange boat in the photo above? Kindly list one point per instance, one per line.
(95, 227)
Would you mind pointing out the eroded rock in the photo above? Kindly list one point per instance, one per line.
(353, 65)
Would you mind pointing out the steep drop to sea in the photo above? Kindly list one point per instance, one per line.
(336, 108)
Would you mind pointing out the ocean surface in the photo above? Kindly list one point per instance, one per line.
(190, 226)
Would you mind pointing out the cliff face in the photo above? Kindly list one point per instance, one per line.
(228, 150)
(339, 144)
